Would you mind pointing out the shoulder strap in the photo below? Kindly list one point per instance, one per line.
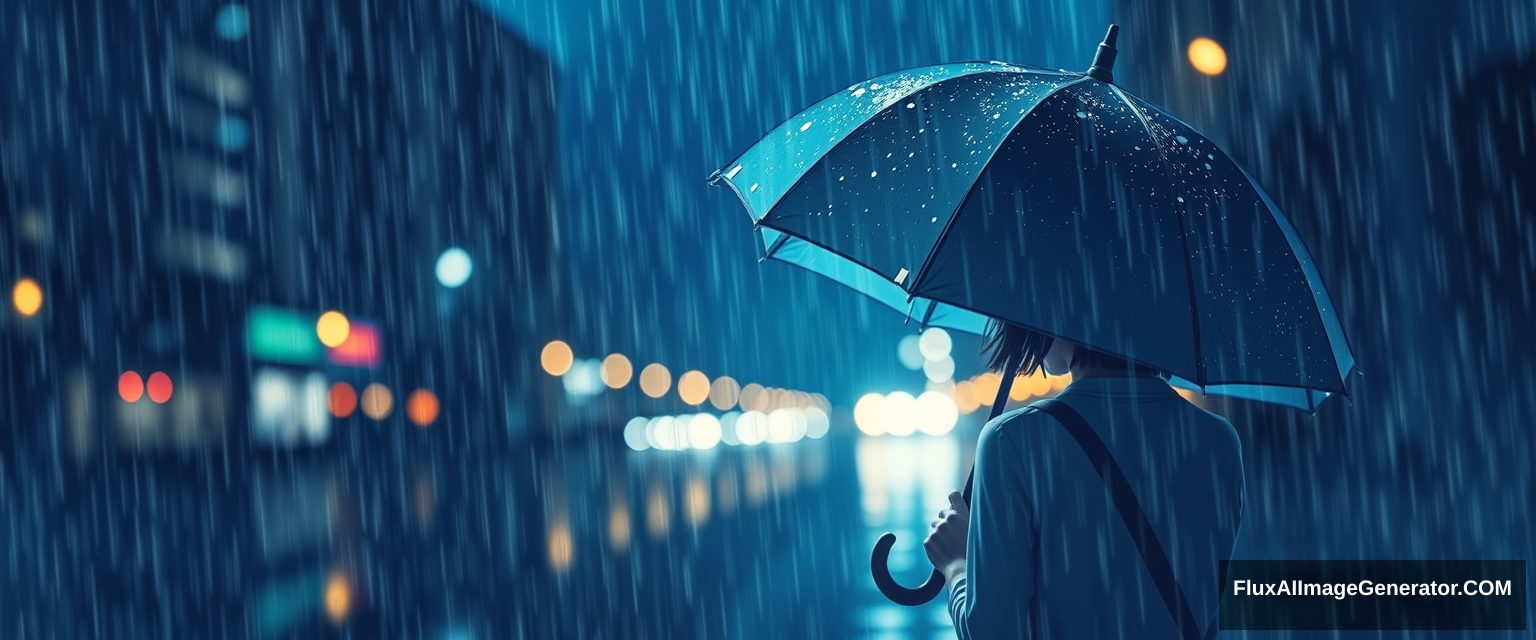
(1152, 552)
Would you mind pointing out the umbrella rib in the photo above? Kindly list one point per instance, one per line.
(851, 133)
(1304, 258)
(1189, 272)
(917, 279)
(715, 176)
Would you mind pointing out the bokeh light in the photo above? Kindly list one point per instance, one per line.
(965, 397)
(696, 501)
(817, 423)
(421, 407)
(783, 426)
(130, 386)
(752, 428)
(562, 549)
(556, 358)
(1019, 392)
(703, 431)
(909, 352)
(724, 392)
(940, 370)
(1037, 384)
(693, 387)
(655, 380)
(27, 296)
(1207, 56)
(454, 267)
(1060, 382)
(617, 371)
(377, 401)
(661, 432)
(232, 22)
(634, 434)
(332, 328)
(342, 399)
(159, 387)
(753, 397)
(338, 597)
(618, 528)
(868, 415)
(658, 513)
(584, 379)
(768, 400)
(681, 428)
(935, 344)
(899, 413)
(937, 413)
(728, 428)
(985, 388)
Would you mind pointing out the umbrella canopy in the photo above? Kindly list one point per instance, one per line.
(1053, 200)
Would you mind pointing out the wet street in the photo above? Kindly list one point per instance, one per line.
(454, 533)
(426, 537)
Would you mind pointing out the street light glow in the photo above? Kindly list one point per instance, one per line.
(27, 296)
(454, 268)
(1207, 56)
(332, 329)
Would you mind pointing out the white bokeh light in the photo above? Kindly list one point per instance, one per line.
(660, 434)
(454, 267)
(868, 416)
(781, 426)
(728, 428)
(941, 370)
(899, 413)
(937, 413)
(752, 428)
(584, 379)
(634, 434)
(910, 353)
(704, 431)
(935, 344)
(817, 424)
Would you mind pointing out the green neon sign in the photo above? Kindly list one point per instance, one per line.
(283, 335)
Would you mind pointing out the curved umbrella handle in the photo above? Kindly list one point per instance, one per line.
(882, 554)
(888, 585)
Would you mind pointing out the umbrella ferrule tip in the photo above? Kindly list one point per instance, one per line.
(1104, 59)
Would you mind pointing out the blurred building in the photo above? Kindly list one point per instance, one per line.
(190, 185)
(196, 179)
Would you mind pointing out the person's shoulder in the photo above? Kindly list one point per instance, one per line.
(1216, 423)
(1017, 426)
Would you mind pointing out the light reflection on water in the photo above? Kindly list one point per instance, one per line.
(903, 483)
(743, 542)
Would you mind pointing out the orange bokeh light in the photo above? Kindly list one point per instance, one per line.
(130, 386)
(377, 401)
(421, 407)
(338, 597)
(159, 387)
(342, 399)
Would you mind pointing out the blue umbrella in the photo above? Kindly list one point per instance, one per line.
(1056, 201)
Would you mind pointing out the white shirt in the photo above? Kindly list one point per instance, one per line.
(1049, 555)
